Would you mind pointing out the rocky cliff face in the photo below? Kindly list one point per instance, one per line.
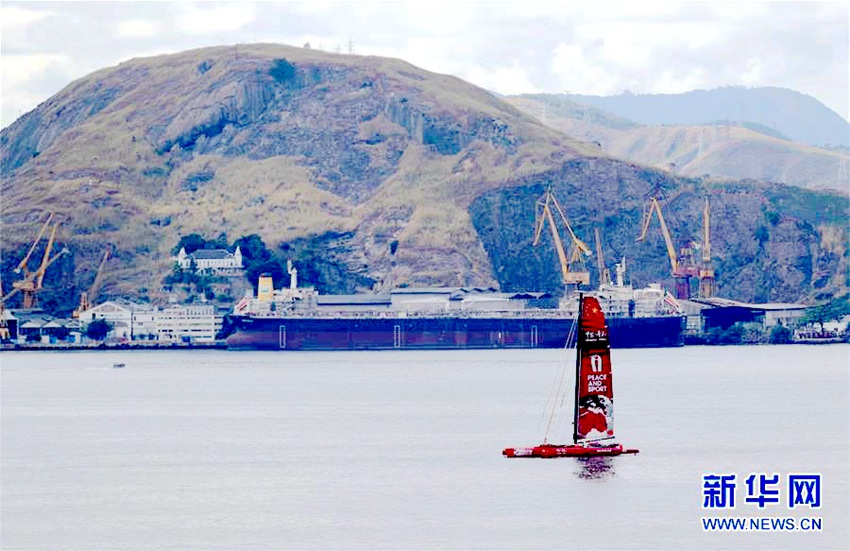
(761, 250)
(354, 165)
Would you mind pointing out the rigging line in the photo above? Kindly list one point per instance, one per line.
(564, 412)
(555, 405)
(552, 397)
(549, 399)
(566, 366)
(560, 386)
(569, 367)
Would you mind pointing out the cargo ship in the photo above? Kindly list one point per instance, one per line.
(444, 318)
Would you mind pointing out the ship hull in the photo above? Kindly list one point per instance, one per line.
(548, 451)
(433, 333)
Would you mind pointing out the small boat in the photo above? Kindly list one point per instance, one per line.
(593, 407)
(812, 336)
(117, 365)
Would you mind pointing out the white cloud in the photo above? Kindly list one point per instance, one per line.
(18, 69)
(547, 45)
(677, 81)
(315, 7)
(753, 75)
(137, 28)
(206, 19)
(577, 72)
(438, 18)
(430, 53)
(17, 18)
(504, 80)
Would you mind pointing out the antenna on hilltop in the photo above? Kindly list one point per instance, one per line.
(350, 46)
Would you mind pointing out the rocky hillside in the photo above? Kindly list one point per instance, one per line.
(393, 174)
(724, 150)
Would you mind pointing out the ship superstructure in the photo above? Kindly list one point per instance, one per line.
(439, 317)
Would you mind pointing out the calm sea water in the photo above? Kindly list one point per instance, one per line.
(402, 450)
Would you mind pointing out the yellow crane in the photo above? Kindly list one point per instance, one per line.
(544, 208)
(31, 283)
(87, 297)
(681, 267)
(604, 273)
(668, 239)
(707, 283)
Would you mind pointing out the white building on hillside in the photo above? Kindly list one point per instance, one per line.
(212, 261)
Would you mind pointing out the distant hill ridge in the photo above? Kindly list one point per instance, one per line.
(799, 116)
(725, 149)
(367, 172)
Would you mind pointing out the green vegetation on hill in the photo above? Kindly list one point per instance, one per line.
(368, 173)
(832, 310)
(759, 254)
(317, 259)
(256, 257)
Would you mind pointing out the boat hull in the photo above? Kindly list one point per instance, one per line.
(428, 333)
(548, 451)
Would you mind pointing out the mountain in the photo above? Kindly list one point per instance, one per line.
(798, 116)
(366, 172)
(726, 150)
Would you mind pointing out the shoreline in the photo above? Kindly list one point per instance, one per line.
(217, 345)
(222, 345)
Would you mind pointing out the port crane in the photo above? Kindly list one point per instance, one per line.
(87, 297)
(707, 283)
(604, 273)
(544, 208)
(31, 283)
(682, 265)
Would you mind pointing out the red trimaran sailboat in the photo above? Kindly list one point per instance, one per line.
(593, 411)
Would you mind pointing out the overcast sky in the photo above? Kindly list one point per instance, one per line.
(508, 47)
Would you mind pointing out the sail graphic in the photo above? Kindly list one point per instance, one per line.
(594, 406)
(593, 409)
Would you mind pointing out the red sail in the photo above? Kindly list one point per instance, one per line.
(594, 412)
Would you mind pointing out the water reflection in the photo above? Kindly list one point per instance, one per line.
(595, 468)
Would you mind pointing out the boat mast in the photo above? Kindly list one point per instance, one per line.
(578, 368)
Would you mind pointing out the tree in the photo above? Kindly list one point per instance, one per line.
(833, 310)
(253, 248)
(762, 235)
(283, 71)
(98, 329)
(271, 267)
(191, 243)
(779, 334)
(61, 333)
(219, 243)
(734, 335)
